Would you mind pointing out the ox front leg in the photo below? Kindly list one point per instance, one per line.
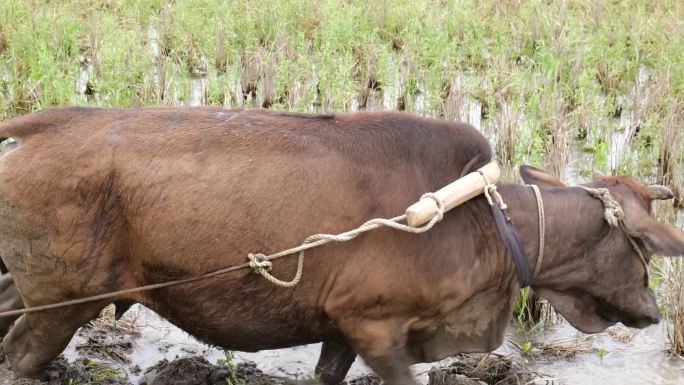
(38, 338)
(382, 345)
(334, 363)
(9, 300)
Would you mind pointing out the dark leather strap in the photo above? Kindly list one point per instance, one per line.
(510, 238)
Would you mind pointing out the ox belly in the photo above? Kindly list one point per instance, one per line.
(478, 325)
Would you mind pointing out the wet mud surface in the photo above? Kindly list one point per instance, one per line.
(481, 369)
(104, 360)
(142, 348)
(183, 371)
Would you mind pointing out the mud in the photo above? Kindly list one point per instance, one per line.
(143, 349)
(368, 379)
(199, 371)
(449, 377)
(481, 369)
(467, 370)
(470, 369)
(82, 372)
(106, 345)
(183, 371)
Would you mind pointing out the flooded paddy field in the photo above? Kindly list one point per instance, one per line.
(142, 348)
(571, 87)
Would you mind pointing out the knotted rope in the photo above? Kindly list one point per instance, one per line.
(613, 211)
(491, 193)
(260, 263)
(615, 216)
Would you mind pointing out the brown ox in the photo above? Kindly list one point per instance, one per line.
(95, 200)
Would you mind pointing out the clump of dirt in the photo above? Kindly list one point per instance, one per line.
(198, 371)
(368, 379)
(60, 372)
(450, 377)
(105, 345)
(476, 369)
(186, 371)
(248, 373)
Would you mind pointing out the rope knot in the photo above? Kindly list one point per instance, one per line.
(493, 196)
(614, 215)
(259, 262)
(613, 212)
(262, 264)
(439, 202)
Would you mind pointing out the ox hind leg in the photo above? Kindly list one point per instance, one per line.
(38, 338)
(335, 360)
(9, 300)
(382, 345)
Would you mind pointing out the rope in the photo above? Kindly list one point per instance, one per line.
(613, 211)
(542, 228)
(636, 248)
(258, 262)
(100, 297)
(615, 216)
(262, 265)
(492, 194)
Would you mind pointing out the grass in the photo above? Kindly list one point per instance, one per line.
(229, 363)
(557, 349)
(99, 375)
(549, 75)
(674, 310)
(130, 323)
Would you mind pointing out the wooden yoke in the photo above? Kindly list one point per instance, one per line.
(453, 194)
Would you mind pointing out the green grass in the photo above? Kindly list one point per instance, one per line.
(510, 52)
(229, 363)
(99, 374)
(567, 69)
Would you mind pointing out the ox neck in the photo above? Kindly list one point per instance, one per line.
(573, 221)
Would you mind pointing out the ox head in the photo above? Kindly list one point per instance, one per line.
(599, 279)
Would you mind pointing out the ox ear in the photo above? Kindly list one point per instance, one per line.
(533, 175)
(659, 238)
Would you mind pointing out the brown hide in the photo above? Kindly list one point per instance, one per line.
(103, 200)
(97, 200)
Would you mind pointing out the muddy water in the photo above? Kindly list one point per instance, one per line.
(621, 356)
(152, 339)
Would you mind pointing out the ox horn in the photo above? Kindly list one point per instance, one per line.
(659, 192)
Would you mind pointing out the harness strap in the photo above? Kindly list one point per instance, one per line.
(510, 237)
(542, 228)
